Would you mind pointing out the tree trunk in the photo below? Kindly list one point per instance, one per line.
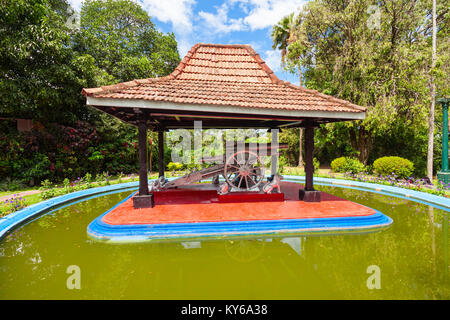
(300, 73)
(361, 141)
(365, 145)
(432, 106)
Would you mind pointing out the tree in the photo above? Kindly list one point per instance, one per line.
(123, 40)
(285, 33)
(43, 67)
(37, 76)
(374, 57)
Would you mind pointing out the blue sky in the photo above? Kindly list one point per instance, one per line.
(226, 22)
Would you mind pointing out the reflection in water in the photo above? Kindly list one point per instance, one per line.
(294, 243)
(245, 250)
(433, 239)
(191, 244)
(412, 256)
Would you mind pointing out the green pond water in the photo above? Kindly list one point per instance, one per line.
(412, 257)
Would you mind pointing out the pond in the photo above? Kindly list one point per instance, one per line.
(411, 259)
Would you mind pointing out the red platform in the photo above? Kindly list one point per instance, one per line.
(207, 193)
(200, 203)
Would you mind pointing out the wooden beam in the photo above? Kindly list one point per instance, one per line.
(173, 119)
(221, 116)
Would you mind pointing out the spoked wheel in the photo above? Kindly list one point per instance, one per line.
(244, 170)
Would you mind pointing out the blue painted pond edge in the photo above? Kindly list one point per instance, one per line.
(100, 230)
(17, 218)
(408, 194)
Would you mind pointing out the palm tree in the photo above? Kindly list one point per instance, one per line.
(283, 34)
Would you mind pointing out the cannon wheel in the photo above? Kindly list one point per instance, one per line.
(244, 170)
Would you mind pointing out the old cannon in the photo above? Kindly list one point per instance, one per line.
(242, 170)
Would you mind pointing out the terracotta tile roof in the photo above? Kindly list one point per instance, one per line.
(228, 75)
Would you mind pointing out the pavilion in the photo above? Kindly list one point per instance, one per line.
(224, 86)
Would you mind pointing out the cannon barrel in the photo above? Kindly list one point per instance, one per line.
(255, 148)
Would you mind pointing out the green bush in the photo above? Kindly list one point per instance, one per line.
(88, 178)
(174, 166)
(316, 164)
(48, 190)
(346, 164)
(11, 185)
(282, 164)
(401, 167)
(337, 165)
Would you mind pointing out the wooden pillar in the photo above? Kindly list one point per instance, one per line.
(309, 194)
(274, 152)
(143, 177)
(161, 165)
(143, 199)
(309, 165)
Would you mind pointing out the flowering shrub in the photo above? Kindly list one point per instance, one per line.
(394, 180)
(54, 152)
(12, 204)
(401, 167)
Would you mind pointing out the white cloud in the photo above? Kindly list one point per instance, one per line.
(180, 14)
(177, 12)
(273, 60)
(220, 22)
(256, 45)
(265, 13)
(257, 14)
(185, 43)
(76, 4)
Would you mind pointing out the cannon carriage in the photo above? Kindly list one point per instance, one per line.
(242, 171)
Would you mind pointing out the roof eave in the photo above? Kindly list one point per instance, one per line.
(230, 109)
